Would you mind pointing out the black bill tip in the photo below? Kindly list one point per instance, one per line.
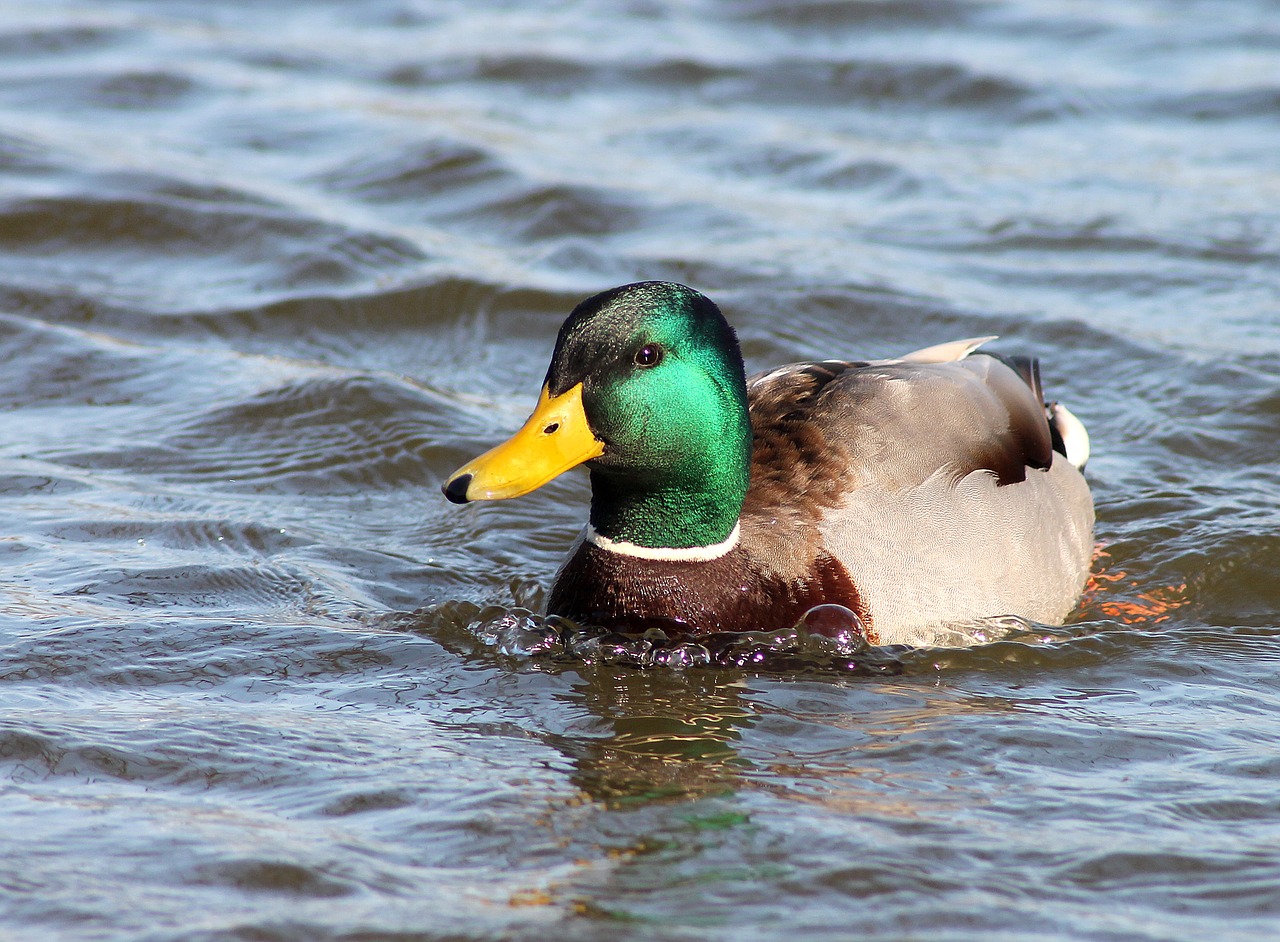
(456, 488)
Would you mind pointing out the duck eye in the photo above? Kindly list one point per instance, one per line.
(648, 355)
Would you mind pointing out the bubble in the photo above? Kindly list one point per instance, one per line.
(829, 638)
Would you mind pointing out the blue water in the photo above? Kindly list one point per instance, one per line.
(269, 272)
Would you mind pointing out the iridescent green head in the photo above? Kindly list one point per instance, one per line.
(656, 372)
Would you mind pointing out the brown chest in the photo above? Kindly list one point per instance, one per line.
(691, 599)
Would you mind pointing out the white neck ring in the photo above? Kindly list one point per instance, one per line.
(688, 554)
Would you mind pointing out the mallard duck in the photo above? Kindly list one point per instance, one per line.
(919, 493)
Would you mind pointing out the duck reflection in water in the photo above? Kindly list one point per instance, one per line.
(667, 735)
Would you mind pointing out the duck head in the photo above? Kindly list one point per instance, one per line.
(646, 388)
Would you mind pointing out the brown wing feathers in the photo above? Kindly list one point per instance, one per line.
(821, 428)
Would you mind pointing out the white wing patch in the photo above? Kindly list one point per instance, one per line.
(947, 352)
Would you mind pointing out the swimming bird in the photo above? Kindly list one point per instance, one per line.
(920, 493)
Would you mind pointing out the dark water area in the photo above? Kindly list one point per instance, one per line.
(268, 272)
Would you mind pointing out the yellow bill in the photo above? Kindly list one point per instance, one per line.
(553, 440)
